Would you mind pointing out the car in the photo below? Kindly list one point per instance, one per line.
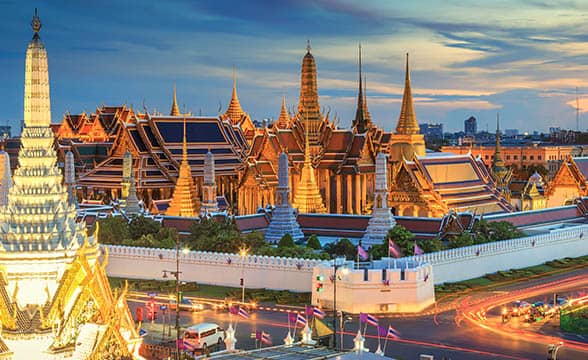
(518, 308)
(186, 305)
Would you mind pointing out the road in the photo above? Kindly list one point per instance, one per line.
(456, 334)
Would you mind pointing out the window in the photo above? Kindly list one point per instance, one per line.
(516, 157)
(486, 157)
(524, 157)
(507, 157)
(532, 157)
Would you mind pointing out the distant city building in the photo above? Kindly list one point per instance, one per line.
(511, 133)
(470, 126)
(4, 132)
(432, 131)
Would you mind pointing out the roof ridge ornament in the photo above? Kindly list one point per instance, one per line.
(36, 23)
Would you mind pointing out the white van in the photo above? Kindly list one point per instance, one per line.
(203, 336)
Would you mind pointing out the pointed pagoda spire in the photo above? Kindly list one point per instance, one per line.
(175, 109)
(308, 198)
(308, 104)
(184, 201)
(497, 162)
(366, 112)
(407, 122)
(361, 123)
(234, 111)
(283, 121)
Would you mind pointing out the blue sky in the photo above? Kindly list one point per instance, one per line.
(523, 59)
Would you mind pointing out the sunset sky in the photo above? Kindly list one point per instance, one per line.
(523, 59)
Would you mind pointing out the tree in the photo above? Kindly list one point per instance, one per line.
(254, 241)
(343, 247)
(141, 225)
(212, 235)
(403, 238)
(461, 240)
(431, 245)
(113, 230)
(286, 241)
(314, 242)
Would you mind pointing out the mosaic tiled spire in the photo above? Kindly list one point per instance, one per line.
(308, 198)
(70, 177)
(382, 219)
(6, 178)
(501, 174)
(407, 122)
(38, 216)
(362, 121)
(185, 200)
(309, 110)
(209, 202)
(283, 217)
(175, 110)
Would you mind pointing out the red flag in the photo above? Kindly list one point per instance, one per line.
(363, 255)
(417, 249)
(394, 249)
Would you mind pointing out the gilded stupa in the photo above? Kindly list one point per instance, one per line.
(55, 299)
(307, 198)
(501, 174)
(185, 198)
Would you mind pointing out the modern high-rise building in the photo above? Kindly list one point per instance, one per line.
(432, 131)
(470, 126)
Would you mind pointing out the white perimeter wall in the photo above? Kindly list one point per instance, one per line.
(212, 268)
(477, 260)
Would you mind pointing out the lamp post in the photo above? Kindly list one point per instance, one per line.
(243, 253)
(335, 313)
(176, 274)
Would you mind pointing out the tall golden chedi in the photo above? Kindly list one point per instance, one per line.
(184, 201)
(55, 300)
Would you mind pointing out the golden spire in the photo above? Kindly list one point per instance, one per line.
(361, 123)
(234, 111)
(184, 201)
(284, 118)
(407, 122)
(308, 198)
(175, 110)
(308, 103)
(497, 162)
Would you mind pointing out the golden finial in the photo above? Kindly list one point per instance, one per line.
(184, 144)
(407, 69)
(175, 110)
(36, 23)
(308, 45)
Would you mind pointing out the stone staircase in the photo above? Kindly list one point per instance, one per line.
(87, 339)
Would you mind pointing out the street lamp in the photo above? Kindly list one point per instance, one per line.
(344, 270)
(176, 274)
(553, 349)
(243, 253)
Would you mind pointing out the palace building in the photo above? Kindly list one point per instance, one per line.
(55, 299)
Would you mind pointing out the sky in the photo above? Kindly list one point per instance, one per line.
(522, 59)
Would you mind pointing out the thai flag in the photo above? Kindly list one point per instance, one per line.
(266, 338)
(417, 249)
(234, 310)
(372, 320)
(301, 320)
(363, 255)
(393, 332)
(243, 313)
(394, 249)
(318, 313)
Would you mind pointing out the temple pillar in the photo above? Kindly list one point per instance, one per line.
(349, 192)
(328, 191)
(415, 211)
(357, 194)
(364, 192)
(338, 195)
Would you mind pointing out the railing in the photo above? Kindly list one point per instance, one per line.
(213, 258)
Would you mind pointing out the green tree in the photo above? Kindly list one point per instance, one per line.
(343, 247)
(431, 245)
(403, 238)
(141, 225)
(314, 242)
(212, 235)
(286, 241)
(113, 230)
(254, 241)
(461, 240)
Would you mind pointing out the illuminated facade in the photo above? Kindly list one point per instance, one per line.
(55, 300)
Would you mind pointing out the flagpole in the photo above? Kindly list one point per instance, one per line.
(388, 253)
(289, 323)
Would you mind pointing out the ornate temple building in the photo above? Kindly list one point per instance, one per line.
(55, 299)
(501, 174)
(569, 183)
(430, 185)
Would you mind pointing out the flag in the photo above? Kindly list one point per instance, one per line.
(382, 331)
(292, 317)
(363, 255)
(243, 313)
(308, 310)
(318, 313)
(301, 320)
(417, 249)
(234, 310)
(257, 334)
(266, 338)
(394, 249)
(372, 320)
(393, 332)
(362, 317)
